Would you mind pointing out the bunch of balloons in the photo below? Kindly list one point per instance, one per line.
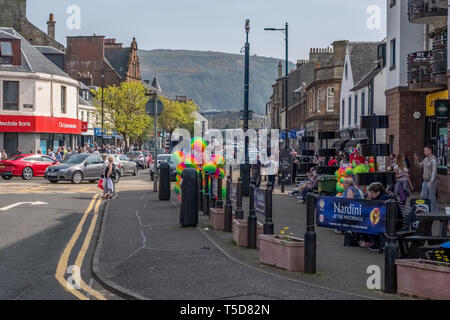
(199, 160)
(372, 165)
(342, 174)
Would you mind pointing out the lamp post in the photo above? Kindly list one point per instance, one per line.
(103, 108)
(245, 168)
(285, 30)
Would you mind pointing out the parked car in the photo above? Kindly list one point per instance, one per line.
(26, 166)
(77, 168)
(137, 157)
(172, 164)
(124, 165)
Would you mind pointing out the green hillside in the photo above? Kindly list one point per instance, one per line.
(214, 80)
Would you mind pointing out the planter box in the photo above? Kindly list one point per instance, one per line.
(217, 219)
(288, 255)
(240, 232)
(424, 279)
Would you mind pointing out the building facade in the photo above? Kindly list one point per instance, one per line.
(39, 102)
(417, 63)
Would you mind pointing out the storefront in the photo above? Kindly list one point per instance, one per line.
(32, 133)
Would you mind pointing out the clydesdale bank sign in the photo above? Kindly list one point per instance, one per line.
(39, 124)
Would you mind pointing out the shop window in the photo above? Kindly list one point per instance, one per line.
(63, 99)
(10, 95)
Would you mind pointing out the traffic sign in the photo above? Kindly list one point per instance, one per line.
(150, 107)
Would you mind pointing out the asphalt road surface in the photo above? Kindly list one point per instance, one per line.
(48, 233)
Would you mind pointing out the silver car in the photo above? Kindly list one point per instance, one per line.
(77, 168)
(125, 165)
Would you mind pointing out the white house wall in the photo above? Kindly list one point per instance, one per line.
(346, 86)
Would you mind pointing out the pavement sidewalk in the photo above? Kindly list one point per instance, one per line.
(143, 253)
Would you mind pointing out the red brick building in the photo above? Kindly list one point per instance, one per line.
(87, 58)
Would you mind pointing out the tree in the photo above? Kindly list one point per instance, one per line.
(124, 110)
(177, 114)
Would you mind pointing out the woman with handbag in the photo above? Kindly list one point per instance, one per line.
(403, 183)
(110, 172)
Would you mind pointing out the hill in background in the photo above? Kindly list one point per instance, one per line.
(214, 80)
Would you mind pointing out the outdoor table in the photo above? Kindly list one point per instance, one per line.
(431, 217)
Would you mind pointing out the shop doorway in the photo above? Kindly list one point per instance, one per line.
(10, 143)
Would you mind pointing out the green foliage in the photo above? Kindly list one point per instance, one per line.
(177, 115)
(124, 110)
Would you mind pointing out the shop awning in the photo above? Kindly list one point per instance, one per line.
(339, 145)
(353, 143)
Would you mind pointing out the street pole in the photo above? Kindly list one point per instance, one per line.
(103, 108)
(286, 86)
(245, 169)
(155, 163)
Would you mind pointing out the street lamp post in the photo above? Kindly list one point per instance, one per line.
(285, 30)
(245, 169)
(103, 108)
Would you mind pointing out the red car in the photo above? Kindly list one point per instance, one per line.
(26, 166)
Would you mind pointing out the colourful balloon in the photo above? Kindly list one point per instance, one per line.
(180, 168)
(348, 171)
(191, 162)
(224, 193)
(219, 160)
(210, 167)
(177, 189)
(198, 144)
(178, 157)
(220, 173)
(178, 178)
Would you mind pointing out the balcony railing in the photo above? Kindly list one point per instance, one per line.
(426, 11)
(427, 70)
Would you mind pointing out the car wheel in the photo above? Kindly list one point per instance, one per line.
(7, 177)
(27, 173)
(77, 177)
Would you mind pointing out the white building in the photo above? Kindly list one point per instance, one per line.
(38, 101)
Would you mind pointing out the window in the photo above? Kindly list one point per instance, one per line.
(355, 121)
(393, 54)
(318, 101)
(330, 99)
(349, 111)
(10, 95)
(5, 52)
(363, 103)
(63, 100)
(343, 112)
(346, 71)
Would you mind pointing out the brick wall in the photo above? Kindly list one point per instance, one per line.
(408, 133)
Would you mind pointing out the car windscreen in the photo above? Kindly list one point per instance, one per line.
(76, 159)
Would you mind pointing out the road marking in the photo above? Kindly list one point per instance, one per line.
(37, 203)
(63, 261)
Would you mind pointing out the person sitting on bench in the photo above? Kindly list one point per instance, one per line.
(302, 184)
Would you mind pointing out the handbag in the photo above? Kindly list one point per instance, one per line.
(100, 184)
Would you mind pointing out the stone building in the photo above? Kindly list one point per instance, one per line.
(13, 14)
(88, 57)
(323, 94)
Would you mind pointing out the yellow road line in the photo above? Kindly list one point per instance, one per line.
(83, 250)
(63, 261)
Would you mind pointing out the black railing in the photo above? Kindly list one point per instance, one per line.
(418, 9)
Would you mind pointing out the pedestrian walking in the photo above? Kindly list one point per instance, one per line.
(429, 167)
(403, 184)
(58, 155)
(4, 155)
(110, 173)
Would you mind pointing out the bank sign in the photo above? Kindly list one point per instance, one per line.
(39, 124)
(362, 216)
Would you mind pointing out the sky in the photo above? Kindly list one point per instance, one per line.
(217, 25)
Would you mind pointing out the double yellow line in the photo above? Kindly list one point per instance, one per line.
(63, 261)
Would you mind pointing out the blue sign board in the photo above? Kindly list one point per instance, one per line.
(293, 134)
(361, 216)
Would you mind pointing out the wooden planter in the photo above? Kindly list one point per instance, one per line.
(217, 219)
(424, 279)
(288, 255)
(240, 232)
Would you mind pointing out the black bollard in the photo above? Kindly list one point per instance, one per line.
(219, 203)
(252, 220)
(200, 191)
(283, 177)
(189, 205)
(206, 196)
(268, 224)
(228, 207)
(212, 199)
(310, 235)
(239, 213)
(392, 249)
(164, 182)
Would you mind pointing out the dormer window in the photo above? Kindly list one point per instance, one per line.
(5, 52)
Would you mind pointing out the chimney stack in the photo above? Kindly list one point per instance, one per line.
(51, 26)
(280, 70)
